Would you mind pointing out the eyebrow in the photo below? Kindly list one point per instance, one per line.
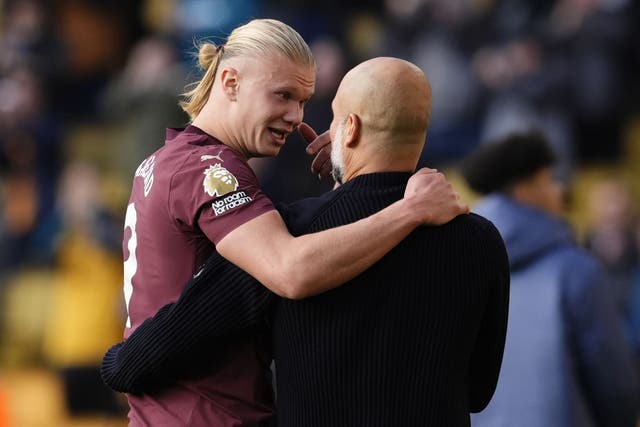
(295, 91)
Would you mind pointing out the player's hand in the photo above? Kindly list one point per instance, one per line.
(433, 197)
(320, 146)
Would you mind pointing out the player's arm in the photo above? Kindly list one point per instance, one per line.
(298, 267)
(220, 300)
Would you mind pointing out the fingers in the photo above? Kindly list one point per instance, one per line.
(307, 132)
(321, 141)
(425, 170)
(320, 145)
(443, 203)
(428, 177)
(321, 164)
(464, 208)
(326, 170)
(317, 163)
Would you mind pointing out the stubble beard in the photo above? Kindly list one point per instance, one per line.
(337, 156)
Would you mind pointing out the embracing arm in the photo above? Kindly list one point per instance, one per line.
(220, 300)
(297, 267)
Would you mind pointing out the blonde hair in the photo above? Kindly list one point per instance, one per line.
(257, 37)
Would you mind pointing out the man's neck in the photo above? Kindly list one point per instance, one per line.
(356, 171)
(369, 157)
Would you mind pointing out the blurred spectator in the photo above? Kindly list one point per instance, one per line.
(435, 35)
(84, 318)
(142, 100)
(96, 37)
(453, 130)
(612, 238)
(566, 361)
(30, 148)
(524, 90)
(513, 114)
(198, 19)
(633, 308)
(27, 39)
(30, 135)
(611, 235)
(592, 38)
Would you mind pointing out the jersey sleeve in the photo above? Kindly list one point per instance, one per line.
(216, 191)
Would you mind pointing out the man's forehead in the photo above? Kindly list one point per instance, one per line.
(278, 63)
(299, 82)
(286, 76)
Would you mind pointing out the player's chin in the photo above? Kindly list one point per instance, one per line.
(270, 151)
(275, 152)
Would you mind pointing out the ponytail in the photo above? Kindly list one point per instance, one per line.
(208, 58)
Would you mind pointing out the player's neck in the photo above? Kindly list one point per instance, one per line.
(210, 125)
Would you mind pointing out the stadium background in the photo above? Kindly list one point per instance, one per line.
(88, 86)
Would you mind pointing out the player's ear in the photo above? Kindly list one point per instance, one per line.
(230, 83)
(352, 130)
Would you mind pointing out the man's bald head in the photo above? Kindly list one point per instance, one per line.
(380, 118)
(390, 96)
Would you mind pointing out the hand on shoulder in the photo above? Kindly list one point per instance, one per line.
(433, 197)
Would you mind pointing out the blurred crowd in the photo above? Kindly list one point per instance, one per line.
(87, 88)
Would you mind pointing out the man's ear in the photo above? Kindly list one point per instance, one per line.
(230, 83)
(352, 130)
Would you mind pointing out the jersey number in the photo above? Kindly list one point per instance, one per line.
(131, 263)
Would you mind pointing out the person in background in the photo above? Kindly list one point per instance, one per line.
(612, 238)
(566, 361)
(82, 318)
(140, 101)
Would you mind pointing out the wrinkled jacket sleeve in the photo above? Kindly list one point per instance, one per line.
(603, 354)
(220, 300)
(486, 359)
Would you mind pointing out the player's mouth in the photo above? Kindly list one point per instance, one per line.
(279, 135)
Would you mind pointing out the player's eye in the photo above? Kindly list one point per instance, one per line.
(284, 95)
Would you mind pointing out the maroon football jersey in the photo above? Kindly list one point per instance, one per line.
(187, 196)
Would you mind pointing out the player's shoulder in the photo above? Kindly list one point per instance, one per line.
(215, 170)
(211, 160)
(218, 153)
(212, 154)
(194, 146)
